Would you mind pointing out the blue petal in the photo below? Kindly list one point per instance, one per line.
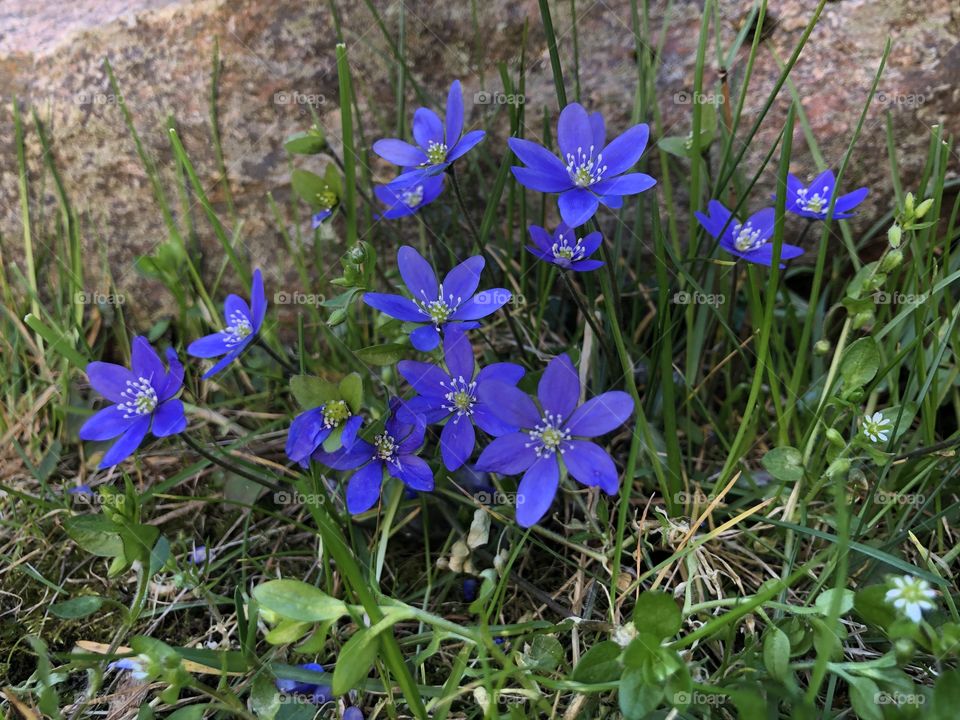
(302, 438)
(599, 130)
(629, 184)
(395, 306)
(346, 458)
(586, 265)
(363, 488)
(413, 471)
(423, 377)
(128, 442)
(537, 489)
(229, 357)
(577, 206)
(466, 144)
(417, 274)
(541, 238)
(849, 201)
(507, 455)
(482, 304)
(601, 414)
(574, 132)
(427, 128)
(258, 300)
(505, 372)
(537, 158)
(510, 404)
(173, 380)
(399, 152)
(623, 153)
(169, 419)
(559, 387)
(350, 429)
(316, 220)
(106, 424)
(236, 305)
(210, 346)
(454, 115)
(591, 465)
(541, 181)
(425, 338)
(458, 353)
(144, 360)
(486, 419)
(457, 441)
(109, 380)
(461, 283)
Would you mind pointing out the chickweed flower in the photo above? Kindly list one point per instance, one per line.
(877, 427)
(242, 322)
(438, 143)
(551, 435)
(453, 395)
(748, 240)
(911, 596)
(589, 171)
(565, 249)
(143, 400)
(813, 201)
(436, 306)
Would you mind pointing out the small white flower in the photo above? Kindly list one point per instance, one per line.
(911, 596)
(877, 427)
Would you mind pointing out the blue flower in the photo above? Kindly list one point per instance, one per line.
(199, 555)
(316, 220)
(402, 198)
(143, 398)
(394, 451)
(243, 322)
(435, 306)
(320, 692)
(439, 143)
(813, 201)
(470, 586)
(589, 171)
(749, 240)
(352, 713)
(136, 666)
(565, 249)
(452, 396)
(551, 434)
(310, 429)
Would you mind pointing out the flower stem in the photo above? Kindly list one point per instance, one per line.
(288, 368)
(588, 316)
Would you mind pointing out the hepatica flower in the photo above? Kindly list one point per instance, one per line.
(436, 306)
(143, 398)
(310, 429)
(813, 201)
(749, 240)
(589, 171)
(453, 395)
(550, 435)
(319, 692)
(393, 452)
(565, 249)
(242, 321)
(911, 596)
(438, 143)
(402, 198)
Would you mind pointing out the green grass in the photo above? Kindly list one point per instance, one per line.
(749, 494)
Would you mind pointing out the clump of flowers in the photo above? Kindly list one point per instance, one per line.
(911, 596)
(143, 398)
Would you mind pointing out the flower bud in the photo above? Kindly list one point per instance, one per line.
(821, 347)
(877, 280)
(908, 204)
(894, 236)
(922, 208)
(840, 466)
(862, 319)
(891, 260)
(835, 437)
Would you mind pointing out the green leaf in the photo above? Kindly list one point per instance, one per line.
(871, 605)
(59, 342)
(637, 697)
(784, 464)
(387, 354)
(264, 700)
(545, 654)
(657, 613)
(297, 600)
(77, 607)
(776, 653)
(95, 534)
(860, 363)
(308, 186)
(863, 697)
(946, 695)
(311, 392)
(305, 143)
(825, 599)
(355, 660)
(599, 664)
(288, 631)
(351, 390)
(190, 712)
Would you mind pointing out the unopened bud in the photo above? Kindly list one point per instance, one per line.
(891, 260)
(908, 204)
(821, 347)
(922, 208)
(862, 319)
(839, 466)
(835, 437)
(894, 236)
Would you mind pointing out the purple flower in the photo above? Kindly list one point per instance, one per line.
(749, 240)
(143, 398)
(565, 249)
(199, 555)
(551, 434)
(320, 692)
(404, 199)
(137, 667)
(589, 171)
(438, 143)
(352, 713)
(435, 306)
(814, 201)
(310, 429)
(453, 396)
(393, 450)
(242, 325)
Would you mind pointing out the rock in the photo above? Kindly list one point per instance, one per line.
(278, 60)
